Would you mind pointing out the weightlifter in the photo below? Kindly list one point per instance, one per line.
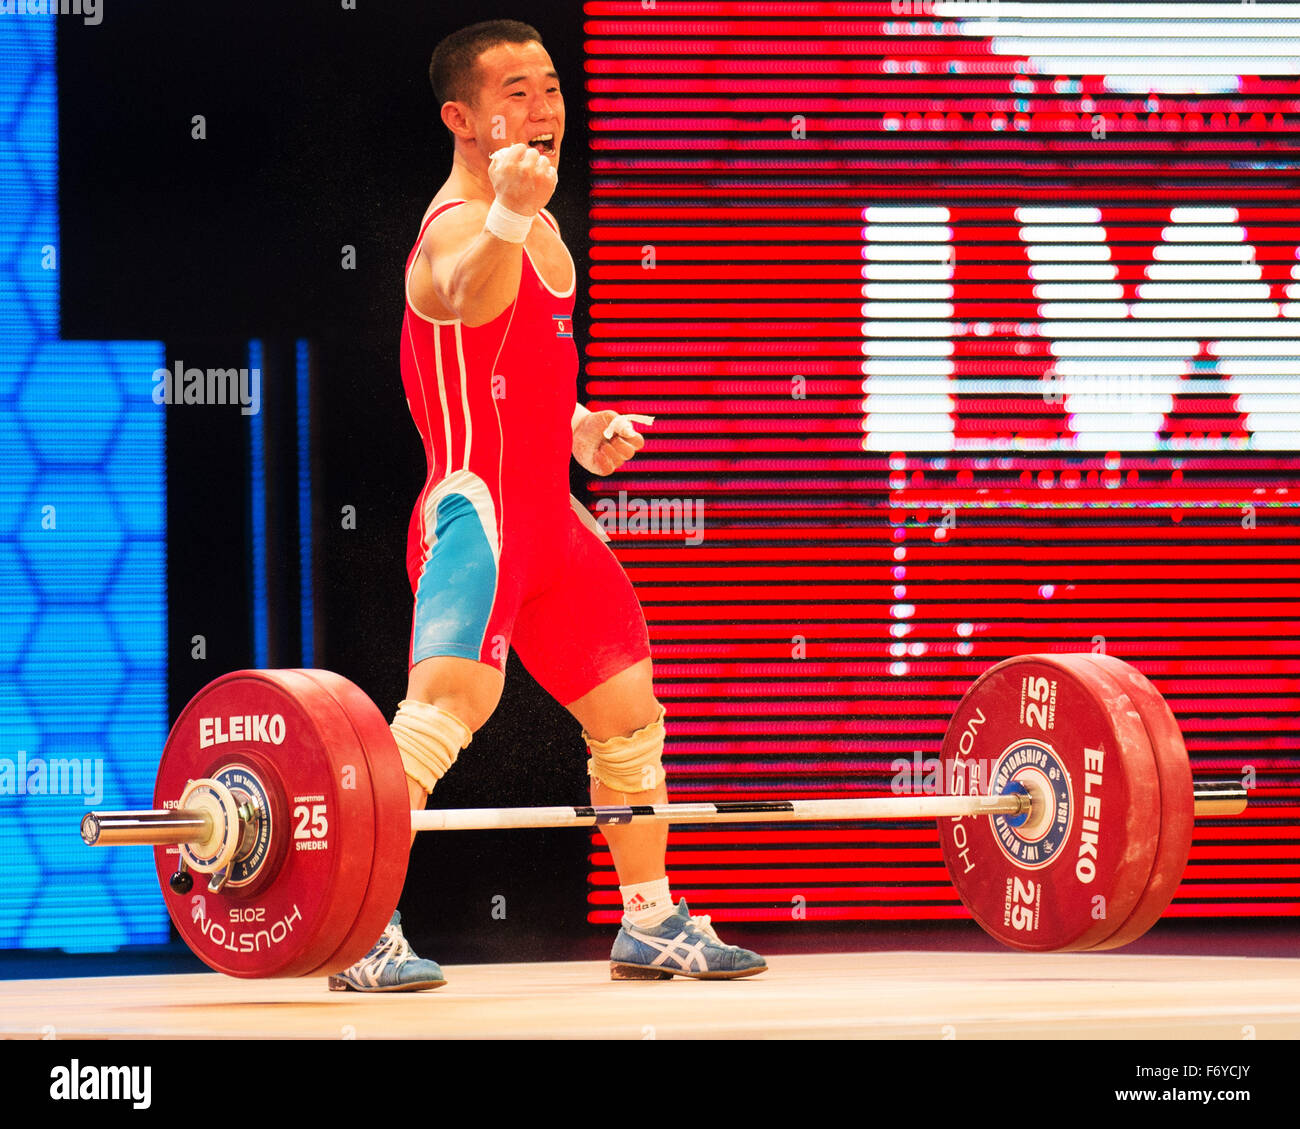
(498, 552)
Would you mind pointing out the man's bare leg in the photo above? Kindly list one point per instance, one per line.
(466, 689)
(618, 707)
(656, 940)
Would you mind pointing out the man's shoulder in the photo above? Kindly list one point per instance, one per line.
(450, 204)
(450, 211)
(451, 227)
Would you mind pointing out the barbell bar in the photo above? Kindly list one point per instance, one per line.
(162, 828)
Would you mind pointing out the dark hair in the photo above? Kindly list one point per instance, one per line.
(453, 71)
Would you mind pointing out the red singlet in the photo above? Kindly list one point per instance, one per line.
(498, 553)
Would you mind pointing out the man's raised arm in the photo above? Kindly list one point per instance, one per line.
(475, 255)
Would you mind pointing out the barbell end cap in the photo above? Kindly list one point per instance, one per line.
(1219, 798)
(90, 829)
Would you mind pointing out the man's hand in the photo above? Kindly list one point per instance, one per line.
(522, 178)
(600, 455)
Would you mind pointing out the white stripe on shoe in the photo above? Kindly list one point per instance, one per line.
(691, 959)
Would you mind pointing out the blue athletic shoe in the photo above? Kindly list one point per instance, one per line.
(680, 945)
(389, 967)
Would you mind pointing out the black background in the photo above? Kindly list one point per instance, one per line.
(322, 131)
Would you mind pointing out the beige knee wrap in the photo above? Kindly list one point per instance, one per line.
(429, 740)
(629, 764)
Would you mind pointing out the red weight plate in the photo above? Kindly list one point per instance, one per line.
(278, 731)
(392, 808)
(1177, 803)
(1070, 876)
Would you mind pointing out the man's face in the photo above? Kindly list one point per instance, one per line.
(518, 100)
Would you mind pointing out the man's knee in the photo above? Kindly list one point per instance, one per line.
(632, 762)
(447, 702)
(468, 690)
(429, 739)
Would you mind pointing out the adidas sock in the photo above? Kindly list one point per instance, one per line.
(647, 903)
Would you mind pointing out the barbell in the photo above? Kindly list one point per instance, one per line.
(1067, 822)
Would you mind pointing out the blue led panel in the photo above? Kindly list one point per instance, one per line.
(83, 561)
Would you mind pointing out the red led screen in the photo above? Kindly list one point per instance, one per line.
(970, 330)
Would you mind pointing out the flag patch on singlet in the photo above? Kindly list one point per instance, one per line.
(563, 325)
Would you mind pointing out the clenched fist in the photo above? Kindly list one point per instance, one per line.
(522, 178)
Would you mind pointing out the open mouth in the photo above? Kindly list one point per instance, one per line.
(544, 143)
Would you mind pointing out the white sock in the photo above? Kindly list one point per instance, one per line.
(647, 903)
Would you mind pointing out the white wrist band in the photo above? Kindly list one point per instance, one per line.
(507, 225)
(579, 414)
